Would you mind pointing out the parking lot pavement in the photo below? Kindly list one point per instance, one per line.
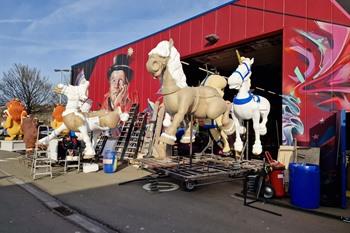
(128, 208)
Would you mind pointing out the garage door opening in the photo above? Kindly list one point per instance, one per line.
(266, 79)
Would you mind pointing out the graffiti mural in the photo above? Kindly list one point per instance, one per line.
(318, 80)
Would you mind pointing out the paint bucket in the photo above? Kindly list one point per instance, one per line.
(109, 161)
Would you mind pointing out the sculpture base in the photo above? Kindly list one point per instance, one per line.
(15, 145)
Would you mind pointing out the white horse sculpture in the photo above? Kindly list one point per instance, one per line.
(77, 118)
(247, 106)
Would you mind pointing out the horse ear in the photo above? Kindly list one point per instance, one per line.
(252, 60)
(171, 42)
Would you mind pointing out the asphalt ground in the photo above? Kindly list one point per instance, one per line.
(129, 208)
(21, 212)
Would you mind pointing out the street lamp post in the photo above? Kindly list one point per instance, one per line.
(61, 71)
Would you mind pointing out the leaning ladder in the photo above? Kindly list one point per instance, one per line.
(136, 135)
(125, 133)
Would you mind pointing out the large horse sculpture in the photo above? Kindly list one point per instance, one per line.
(202, 102)
(247, 106)
(76, 117)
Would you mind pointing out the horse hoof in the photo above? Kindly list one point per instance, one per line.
(242, 130)
(257, 149)
(238, 146)
(166, 123)
(168, 139)
(88, 156)
(229, 129)
(262, 130)
(186, 139)
(124, 116)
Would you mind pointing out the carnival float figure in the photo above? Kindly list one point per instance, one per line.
(29, 128)
(57, 118)
(77, 118)
(14, 113)
(247, 106)
(202, 102)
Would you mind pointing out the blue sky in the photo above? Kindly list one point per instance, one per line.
(50, 34)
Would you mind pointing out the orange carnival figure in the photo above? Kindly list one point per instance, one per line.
(14, 113)
(58, 118)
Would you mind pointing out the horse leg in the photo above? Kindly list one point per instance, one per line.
(52, 135)
(257, 148)
(238, 143)
(227, 123)
(187, 135)
(226, 146)
(262, 127)
(169, 135)
(242, 129)
(89, 151)
(95, 135)
(167, 120)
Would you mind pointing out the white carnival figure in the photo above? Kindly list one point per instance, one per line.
(247, 106)
(77, 118)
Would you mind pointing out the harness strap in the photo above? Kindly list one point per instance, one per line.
(237, 101)
(255, 98)
(240, 74)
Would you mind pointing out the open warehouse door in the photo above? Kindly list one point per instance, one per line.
(266, 79)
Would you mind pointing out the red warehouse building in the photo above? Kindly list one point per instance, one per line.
(302, 64)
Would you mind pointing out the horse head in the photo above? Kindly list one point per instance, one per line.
(158, 58)
(241, 74)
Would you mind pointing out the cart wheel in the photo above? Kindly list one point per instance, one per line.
(269, 192)
(188, 186)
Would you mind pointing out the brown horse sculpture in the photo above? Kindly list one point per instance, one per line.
(203, 102)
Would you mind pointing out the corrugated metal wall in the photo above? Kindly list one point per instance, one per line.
(234, 23)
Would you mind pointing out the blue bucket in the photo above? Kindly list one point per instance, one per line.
(109, 161)
(304, 185)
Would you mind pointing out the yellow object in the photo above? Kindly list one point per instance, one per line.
(57, 118)
(15, 112)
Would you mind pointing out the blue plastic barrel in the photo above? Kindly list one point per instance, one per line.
(304, 185)
(109, 161)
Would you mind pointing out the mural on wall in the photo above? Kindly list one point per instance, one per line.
(319, 78)
(115, 79)
(315, 90)
(119, 76)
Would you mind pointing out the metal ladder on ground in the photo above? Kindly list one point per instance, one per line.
(123, 138)
(41, 164)
(136, 135)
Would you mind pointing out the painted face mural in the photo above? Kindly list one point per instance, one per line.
(318, 81)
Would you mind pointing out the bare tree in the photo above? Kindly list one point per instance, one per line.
(26, 84)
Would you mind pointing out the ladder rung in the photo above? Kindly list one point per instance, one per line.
(42, 166)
